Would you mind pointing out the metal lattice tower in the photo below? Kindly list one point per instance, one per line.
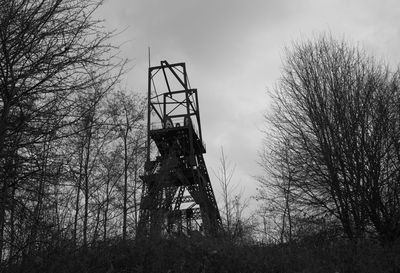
(177, 195)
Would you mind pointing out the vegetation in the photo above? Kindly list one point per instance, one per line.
(333, 153)
(237, 226)
(205, 255)
(72, 148)
(69, 139)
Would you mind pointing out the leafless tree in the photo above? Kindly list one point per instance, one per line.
(47, 48)
(127, 115)
(237, 225)
(224, 176)
(276, 193)
(336, 105)
(111, 162)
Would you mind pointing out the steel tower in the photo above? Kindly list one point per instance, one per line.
(177, 193)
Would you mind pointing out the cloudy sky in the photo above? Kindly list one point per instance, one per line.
(233, 51)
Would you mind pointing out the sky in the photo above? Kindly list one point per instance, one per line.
(233, 50)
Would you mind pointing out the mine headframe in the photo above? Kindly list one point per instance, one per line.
(177, 195)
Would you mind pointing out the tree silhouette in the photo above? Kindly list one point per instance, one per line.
(336, 107)
(47, 50)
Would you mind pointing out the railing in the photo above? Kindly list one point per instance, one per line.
(176, 124)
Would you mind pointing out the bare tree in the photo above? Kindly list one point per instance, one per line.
(47, 48)
(224, 176)
(127, 115)
(111, 162)
(276, 191)
(237, 225)
(335, 105)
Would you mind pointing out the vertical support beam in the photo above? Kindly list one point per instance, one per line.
(191, 149)
(164, 109)
(198, 116)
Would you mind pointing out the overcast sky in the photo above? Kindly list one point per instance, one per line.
(233, 50)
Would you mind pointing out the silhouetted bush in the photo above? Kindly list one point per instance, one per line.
(209, 255)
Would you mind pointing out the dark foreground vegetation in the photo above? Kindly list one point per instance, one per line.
(206, 255)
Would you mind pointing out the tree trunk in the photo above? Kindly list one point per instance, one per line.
(12, 227)
(135, 204)
(38, 208)
(4, 198)
(106, 210)
(86, 188)
(4, 189)
(125, 210)
(78, 191)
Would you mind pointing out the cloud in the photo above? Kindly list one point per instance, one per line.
(233, 51)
